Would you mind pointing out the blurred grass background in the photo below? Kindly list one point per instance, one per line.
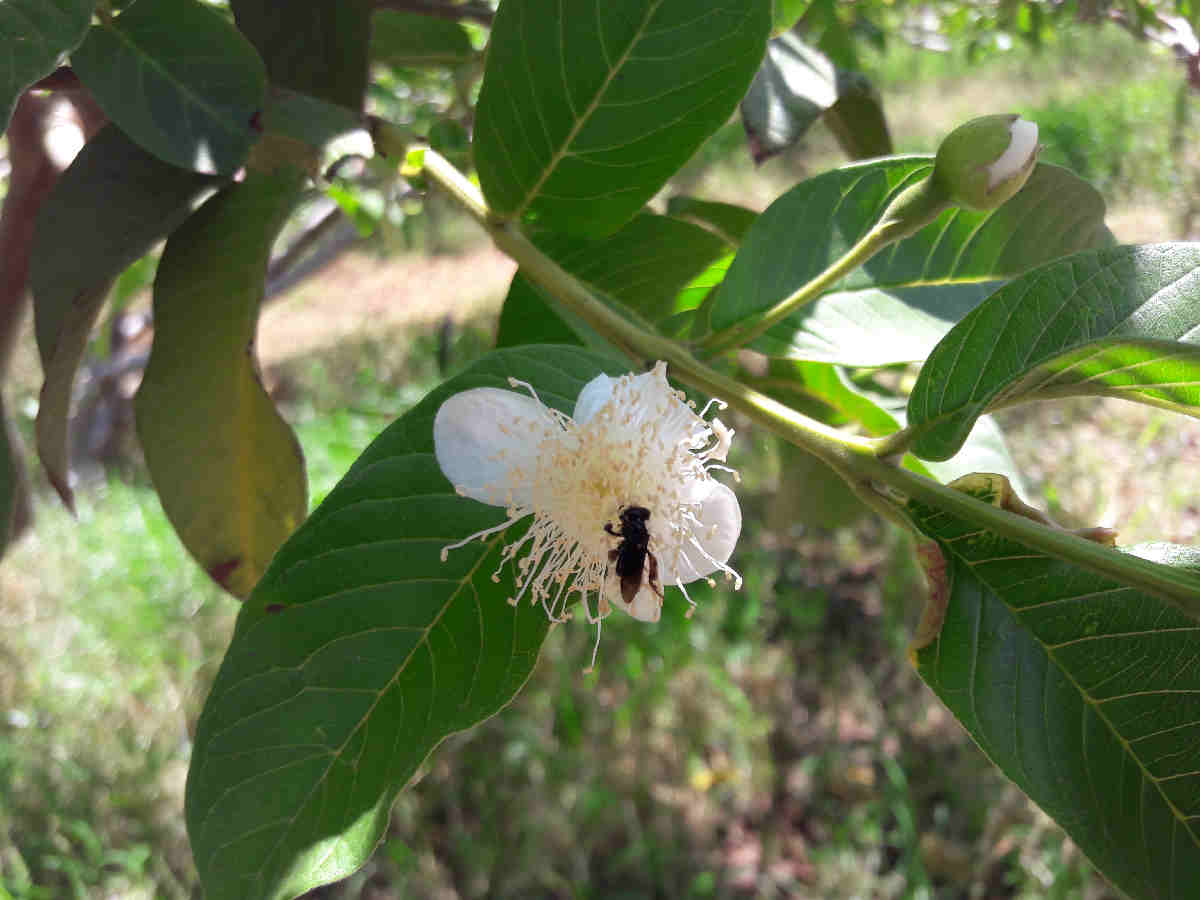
(775, 745)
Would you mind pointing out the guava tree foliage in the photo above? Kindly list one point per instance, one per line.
(1073, 662)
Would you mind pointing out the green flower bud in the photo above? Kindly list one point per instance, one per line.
(984, 162)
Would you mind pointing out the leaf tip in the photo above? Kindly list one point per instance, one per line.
(63, 489)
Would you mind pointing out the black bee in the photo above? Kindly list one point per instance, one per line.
(631, 554)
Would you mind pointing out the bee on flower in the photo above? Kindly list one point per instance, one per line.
(621, 492)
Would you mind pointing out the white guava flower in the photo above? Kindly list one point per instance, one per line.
(634, 443)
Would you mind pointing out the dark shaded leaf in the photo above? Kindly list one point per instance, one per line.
(309, 120)
(359, 652)
(1123, 322)
(110, 206)
(34, 35)
(402, 39)
(316, 47)
(897, 306)
(227, 468)
(1084, 692)
(578, 126)
(797, 85)
(179, 80)
(14, 488)
(857, 119)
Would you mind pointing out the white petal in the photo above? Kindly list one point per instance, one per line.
(722, 523)
(594, 395)
(1024, 135)
(480, 436)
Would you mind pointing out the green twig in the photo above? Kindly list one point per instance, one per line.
(858, 461)
(914, 208)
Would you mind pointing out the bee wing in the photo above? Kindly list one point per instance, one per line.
(646, 605)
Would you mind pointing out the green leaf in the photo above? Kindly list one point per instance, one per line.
(1123, 322)
(797, 85)
(822, 21)
(897, 306)
(401, 39)
(727, 221)
(179, 80)
(359, 652)
(310, 120)
(579, 126)
(110, 206)
(857, 119)
(839, 401)
(34, 34)
(1086, 693)
(227, 468)
(318, 47)
(529, 317)
(785, 14)
(648, 266)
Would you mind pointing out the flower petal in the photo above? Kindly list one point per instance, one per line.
(594, 395)
(486, 441)
(722, 523)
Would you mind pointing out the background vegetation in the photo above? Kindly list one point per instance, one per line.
(759, 749)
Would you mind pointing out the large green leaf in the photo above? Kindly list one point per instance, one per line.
(797, 85)
(227, 468)
(1084, 692)
(316, 47)
(588, 108)
(358, 653)
(647, 265)
(403, 39)
(111, 205)
(34, 34)
(1123, 322)
(898, 305)
(178, 79)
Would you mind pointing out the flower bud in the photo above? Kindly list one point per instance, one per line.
(984, 162)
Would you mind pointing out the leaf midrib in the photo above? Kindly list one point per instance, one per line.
(581, 120)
